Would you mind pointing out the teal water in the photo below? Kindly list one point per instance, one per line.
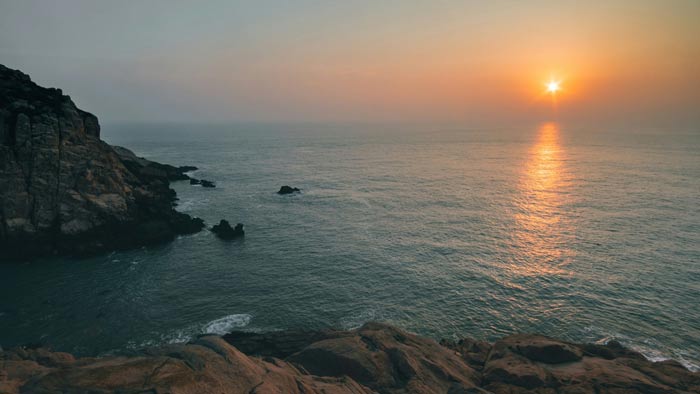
(581, 233)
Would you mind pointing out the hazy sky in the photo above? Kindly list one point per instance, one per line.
(433, 61)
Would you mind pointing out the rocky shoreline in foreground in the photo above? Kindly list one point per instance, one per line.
(376, 358)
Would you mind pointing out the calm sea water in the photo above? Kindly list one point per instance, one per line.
(579, 233)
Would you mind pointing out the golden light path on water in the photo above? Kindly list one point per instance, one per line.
(542, 231)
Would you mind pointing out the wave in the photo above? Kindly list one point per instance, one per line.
(357, 320)
(188, 204)
(226, 324)
(651, 349)
(219, 326)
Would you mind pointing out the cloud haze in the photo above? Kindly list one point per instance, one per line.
(361, 60)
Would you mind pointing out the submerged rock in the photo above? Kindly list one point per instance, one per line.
(202, 182)
(224, 230)
(65, 191)
(376, 358)
(288, 190)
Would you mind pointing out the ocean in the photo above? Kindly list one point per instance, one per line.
(583, 233)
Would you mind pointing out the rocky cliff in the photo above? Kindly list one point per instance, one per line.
(376, 358)
(65, 191)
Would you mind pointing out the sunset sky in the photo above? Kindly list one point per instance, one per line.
(366, 61)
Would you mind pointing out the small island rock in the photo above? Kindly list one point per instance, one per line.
(224, 230)
(288, 190)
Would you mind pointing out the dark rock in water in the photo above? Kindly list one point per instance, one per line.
(224, 230)
(185, 224)
(375, 358)
(203, 182)
(184, 169)
(288, 190)
(64, 191)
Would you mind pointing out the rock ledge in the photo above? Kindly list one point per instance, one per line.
(376, 358)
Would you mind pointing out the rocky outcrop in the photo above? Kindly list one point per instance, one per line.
(207, 365)
(288, 190)
(376, 358)
(224, 230)
(65, 191)
(528, 363)
(151, 170)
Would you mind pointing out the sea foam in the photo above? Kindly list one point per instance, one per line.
(226, 324)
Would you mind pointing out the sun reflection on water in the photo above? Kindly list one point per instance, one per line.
(542, 230)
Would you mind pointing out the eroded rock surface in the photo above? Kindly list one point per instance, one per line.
(376, 358)
(65, 191)
(207, 365)
(528, 363)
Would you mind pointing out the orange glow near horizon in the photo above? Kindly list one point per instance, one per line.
(437, 64)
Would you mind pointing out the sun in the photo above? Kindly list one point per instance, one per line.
(553, 86)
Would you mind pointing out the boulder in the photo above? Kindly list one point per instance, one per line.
(388, 360)
(542, 349)
(224, 230)
(288, 190)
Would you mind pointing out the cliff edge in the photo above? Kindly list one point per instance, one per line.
(65, 191)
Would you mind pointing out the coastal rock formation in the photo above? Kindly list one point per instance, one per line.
(65, 191)
(529, 363)
(376, 358)
(288, 190)
(224, 230)
(207, 365)
(147, 169)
